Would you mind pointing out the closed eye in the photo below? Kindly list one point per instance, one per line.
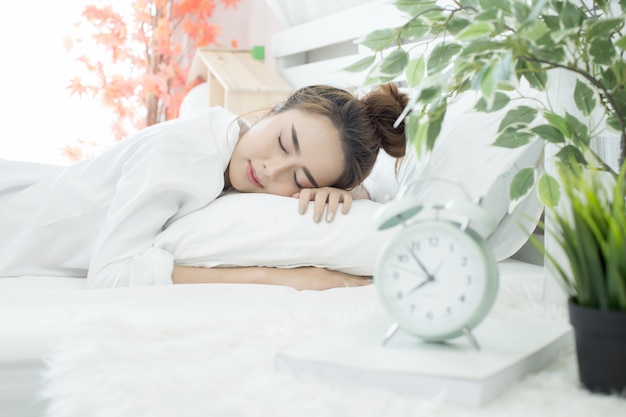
(295, 180)
(280, 143)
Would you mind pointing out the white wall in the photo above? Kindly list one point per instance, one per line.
(37, 115)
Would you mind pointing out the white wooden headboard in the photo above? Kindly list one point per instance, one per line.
(316, 51)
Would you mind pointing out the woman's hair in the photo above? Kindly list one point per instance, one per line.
(365, 124)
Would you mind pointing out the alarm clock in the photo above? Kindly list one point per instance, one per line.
(437, 278)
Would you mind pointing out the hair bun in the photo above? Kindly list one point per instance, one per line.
(384, 105)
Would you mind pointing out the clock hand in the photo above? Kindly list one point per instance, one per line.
(430, 278)
(421, 265)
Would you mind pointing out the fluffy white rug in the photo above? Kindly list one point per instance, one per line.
(185, 363)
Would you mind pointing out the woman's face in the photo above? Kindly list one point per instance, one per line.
(286, 152)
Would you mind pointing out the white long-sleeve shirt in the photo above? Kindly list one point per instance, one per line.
(98, 218)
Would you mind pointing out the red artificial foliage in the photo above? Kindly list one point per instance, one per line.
(136, 60)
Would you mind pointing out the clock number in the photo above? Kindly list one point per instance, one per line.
(464, 261)
(403, 258)
(430, 315)
(468, 280)
(433, 241)
(462, 298)
(448, 311)
(415, 246)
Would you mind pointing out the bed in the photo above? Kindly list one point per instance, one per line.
(209, 350)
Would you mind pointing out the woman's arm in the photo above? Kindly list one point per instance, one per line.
(303, 278)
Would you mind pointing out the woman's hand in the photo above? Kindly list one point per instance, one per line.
(314, 278)
(327, 200)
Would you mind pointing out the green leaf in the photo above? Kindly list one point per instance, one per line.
(552, 22)
(571, 15)
(416, 7)
(601, 28)
(415, 29)
(535, 11)
(441, 56)
(559, 122)
(619, 97)
(479, 46)
(549, 190)
(513, 138)
(621, 43)
(379, 39)
(538, 80)
(415, 71)
(499, 102)
(435, 120)
(488, 82)
(536, 30)
(416, 129)
(613, 122)
(361, 65)
(457, 24)
(549, 133)
(522, 184)
(475, 30)
(602, 51)
(394, 63)
(570, 154)
(522, 11)
(521, 114)
(535, 75)
(428, 94)
(584, 98)
(580, 133)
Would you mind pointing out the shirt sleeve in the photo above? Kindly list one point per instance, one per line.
(167, 177)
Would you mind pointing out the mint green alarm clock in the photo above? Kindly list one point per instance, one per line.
(437, 278)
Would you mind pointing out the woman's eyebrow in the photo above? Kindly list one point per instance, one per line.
(294, 137)
(296, 146)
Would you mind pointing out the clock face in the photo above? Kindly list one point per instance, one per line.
(435, 279)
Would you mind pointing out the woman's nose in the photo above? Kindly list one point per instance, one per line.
(274, 168)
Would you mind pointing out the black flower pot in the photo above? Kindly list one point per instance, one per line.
(600, 348)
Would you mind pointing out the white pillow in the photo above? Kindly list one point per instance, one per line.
(240, 229)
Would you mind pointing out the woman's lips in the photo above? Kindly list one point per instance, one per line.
(252, 175)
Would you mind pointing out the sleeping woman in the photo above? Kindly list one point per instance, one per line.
(98, 218)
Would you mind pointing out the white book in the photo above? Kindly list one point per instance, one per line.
(455, 369)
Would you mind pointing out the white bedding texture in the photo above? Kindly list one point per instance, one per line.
(209, 350)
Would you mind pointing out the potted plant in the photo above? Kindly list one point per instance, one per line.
(493, 47)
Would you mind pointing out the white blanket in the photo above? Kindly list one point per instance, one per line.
(208, 350)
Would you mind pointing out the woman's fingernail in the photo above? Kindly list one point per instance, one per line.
(318, 217)
(330, 216)
(301, 210)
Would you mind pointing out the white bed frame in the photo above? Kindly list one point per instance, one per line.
(310, 53)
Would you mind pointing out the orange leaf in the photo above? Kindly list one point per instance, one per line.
(228, 3)
(76, 87)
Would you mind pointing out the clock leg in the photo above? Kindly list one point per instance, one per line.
(390, 332)
(468, 333)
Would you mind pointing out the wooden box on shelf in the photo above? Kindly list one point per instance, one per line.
(237, 81)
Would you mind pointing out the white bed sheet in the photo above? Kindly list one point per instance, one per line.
(207, 350)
